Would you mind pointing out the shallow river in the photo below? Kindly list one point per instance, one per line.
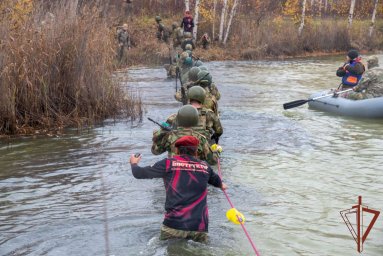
(289, 172)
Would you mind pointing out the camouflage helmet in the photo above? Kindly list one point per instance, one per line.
(188, 61)
(187, 116)
(198, 63)
(158, 18)
(202, 67)
(193, 74)
(188, 47)
(372, 62)
(188, 35)
(197, 93)
(174, 25)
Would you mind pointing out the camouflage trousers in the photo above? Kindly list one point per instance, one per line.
(168, 233)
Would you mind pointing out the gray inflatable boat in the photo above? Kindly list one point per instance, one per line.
(368, 108)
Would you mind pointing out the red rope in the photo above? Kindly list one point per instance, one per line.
(240, 220)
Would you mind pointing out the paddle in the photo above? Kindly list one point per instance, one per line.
(298, 103)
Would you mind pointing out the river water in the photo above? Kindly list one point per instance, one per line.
(289, 172)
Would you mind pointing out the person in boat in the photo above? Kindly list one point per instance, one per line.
(185, 179)
(187, 122)
(351, 71)
(371, 85)
(208, 122)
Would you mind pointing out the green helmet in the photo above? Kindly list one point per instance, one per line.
(158, 18)
(174, 25)
(188, 61)
(188, 35)
(197, 93)
(202, 67)
(193, 73)
(189, 47)
(187, 116)
(198, 63)
(204, 77)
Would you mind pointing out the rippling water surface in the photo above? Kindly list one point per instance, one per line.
(289, 172)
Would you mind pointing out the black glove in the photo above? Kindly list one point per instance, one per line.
(215, 137)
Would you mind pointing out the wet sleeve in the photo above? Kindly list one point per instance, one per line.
(214, 179)
(157, 170)
(217, 127)
(159, 139)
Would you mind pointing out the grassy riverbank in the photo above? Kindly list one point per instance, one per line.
(56, 72)
(271, 38)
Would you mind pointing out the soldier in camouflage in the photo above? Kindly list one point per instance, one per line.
(212, 93)
(177, 35)
(205, 41)
(123, 39)
(187, 119)
(162, 31)
(188, 39)
(192, 78)
(208, 122)
(371, 85)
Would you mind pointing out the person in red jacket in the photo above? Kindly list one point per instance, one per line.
(187, 22)
(186, 179)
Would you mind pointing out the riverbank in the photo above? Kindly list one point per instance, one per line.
(57, 72)
(271, 39)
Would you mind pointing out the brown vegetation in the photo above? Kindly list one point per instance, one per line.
(260, 29)
(56, 71)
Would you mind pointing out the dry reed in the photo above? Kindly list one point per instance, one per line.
(56, 71)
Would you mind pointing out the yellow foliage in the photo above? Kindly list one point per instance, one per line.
(15, 11)
(205, 11)
(291, 7)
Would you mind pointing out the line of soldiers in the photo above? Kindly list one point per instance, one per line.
(180, 38)
(199, 117)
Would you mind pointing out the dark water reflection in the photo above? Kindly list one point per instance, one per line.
(289, 172)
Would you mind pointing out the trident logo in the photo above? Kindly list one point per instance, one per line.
(359, 235)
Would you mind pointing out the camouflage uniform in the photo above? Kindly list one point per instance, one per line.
(212, 93)
(205, 41)
(191, 79)
(188, 39)
(164, 141)
(123, 39)
(162, 31)
(167, 233)
(371, 85)
(208, 122)
(177, 35)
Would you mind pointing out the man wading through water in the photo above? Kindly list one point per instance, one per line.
(185, 178)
